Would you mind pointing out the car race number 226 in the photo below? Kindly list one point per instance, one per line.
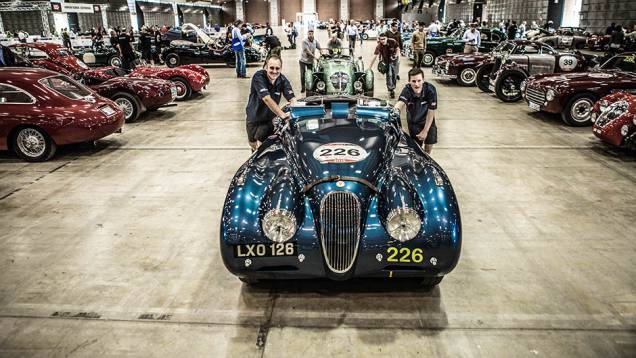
(340, 153)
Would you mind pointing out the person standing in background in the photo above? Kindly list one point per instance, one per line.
(238, 46)
(307, 57)
(388, 50)
(418, 44)
(472, 39)
(352, 34)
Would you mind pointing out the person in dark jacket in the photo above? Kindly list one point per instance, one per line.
(617, 40)
(6, 57)
(512, 30)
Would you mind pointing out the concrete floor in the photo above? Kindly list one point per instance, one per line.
(112, 250)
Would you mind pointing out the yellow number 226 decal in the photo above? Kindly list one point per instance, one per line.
(405, 254)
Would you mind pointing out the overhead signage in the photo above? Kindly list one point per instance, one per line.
(74, 7)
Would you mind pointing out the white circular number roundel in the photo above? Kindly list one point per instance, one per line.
(340, 153)
(568, 63)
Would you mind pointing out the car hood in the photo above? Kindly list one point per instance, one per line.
(468, 58)
(338, 67)
(575, 78)
(319, 153)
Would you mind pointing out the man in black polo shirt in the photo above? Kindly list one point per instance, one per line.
(268, 86)
(124, 43)
(420, 99)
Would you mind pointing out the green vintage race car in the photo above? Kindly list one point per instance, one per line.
(336, 73)
(453, 43)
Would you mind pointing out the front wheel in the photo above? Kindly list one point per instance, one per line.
(578, 110)
(467, 76)
(482, 77)
(172, 60)
(33, 144)
(128, 104)
(508, 86)
(429, 59)
(184, 91)
(115, 61)
(365, 36)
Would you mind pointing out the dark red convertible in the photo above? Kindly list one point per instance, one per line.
(614, 118)
(133, 95)
(41, 110)
(573, 94)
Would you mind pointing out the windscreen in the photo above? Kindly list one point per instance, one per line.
(66, 87)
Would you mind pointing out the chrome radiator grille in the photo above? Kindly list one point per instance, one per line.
(535, 95)
(340, 230)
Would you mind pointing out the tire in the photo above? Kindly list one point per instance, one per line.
(184, 90)
(431, 282)
(578, 110)
(508, 86)
(429, 58)
(115, 61)
(172, 60)
(482, 79)
(33, 144)
(248, 280)
(467, 77)
(365, 36)
(129, 104)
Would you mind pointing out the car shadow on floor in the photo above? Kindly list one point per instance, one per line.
(361, 303)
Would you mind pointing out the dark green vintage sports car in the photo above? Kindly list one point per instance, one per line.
(336, 73)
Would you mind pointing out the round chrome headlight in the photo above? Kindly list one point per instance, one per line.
(320, 86)
(279, 225)
(357, 85)
(593, 118)
(403, 224)
(604, 105)
(549, 95)
(624, 130)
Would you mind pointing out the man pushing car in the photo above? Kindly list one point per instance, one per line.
(267, 88)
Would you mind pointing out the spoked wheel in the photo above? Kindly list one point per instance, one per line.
(115, 61)
(508, 86)
(33, 145)
(172, 60)
(184, 91)
(428, 59)
(467, 77)
(128, 104)
(482, 77)
(578, 111)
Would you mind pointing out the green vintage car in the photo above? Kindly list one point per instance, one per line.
(453, 43)
(336, 73)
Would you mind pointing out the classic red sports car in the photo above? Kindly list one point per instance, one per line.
(41, 109)
(573, 94)
(188, 79)
(614, 118)
(134, 95)
(599, 42)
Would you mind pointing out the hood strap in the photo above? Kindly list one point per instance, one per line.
(333, 178)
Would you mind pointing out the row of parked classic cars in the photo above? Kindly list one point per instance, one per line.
(53, 98)
(579, 87)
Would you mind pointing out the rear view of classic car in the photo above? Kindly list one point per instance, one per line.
(340, 192)
(339, 74)
(614, 119)
(566, 38)
(41, 110)
(573, 94)
(505, 80)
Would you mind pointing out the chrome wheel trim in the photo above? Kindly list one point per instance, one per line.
(428, 59)
(31, 142)
(468, 75)
(126, 106)
(509, 89)
(181, 89)
(115, 62)
(581, 110)
(172, 60)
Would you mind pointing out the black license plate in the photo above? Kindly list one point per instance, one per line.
(266, 250)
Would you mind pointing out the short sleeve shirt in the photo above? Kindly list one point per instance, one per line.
(310, 46)
(257, 110)
(124, 42)
(417, 106)
(387, 51)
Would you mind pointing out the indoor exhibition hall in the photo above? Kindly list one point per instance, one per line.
(318, 178)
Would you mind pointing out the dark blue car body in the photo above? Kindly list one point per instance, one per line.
(340, 207)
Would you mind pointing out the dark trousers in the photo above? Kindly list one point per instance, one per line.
(303, 69)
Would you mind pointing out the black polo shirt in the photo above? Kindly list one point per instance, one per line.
(257, 110)
(123, 40)
(417, 107)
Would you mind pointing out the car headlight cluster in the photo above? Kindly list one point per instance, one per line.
(279, 225)
(604, 105)
(523, 85)
(549, 95)
(624, 130)
(357, 85)
(403, 224)
(320, 86)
